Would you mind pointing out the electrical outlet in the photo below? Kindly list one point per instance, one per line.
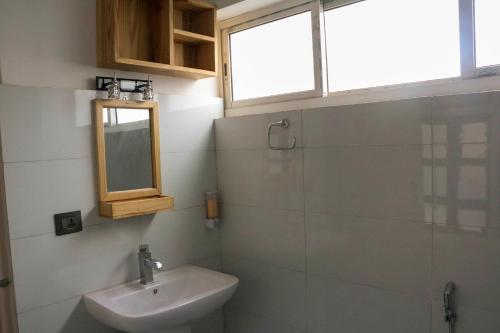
(68, 223)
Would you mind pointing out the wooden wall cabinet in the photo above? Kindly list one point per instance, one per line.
(172, 37)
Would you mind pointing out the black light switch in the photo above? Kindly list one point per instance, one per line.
(68, 223)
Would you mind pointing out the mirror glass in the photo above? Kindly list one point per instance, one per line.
(127, 136)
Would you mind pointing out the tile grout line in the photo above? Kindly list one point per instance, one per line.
(366, 217)
(107, 222)
(219, 226)
(306, 246)
(328, 277)
(388, 145)
(47, 305)
(93, 157)
(431, 104)
(50, 160)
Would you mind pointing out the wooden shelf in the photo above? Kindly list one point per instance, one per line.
(169, 37)
(157, 68)
(134, 207)
(192, 5)
(181, 36)
(194, 16)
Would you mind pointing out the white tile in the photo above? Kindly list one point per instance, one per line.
(469, 320)
(68, 316)
(267, 235)
(188, 103)
(469, 257)
(180, 237)
(384, 181)
(45, 123)
(250, 323)
(49, 268)
(385, 123)
(469, 118)
(267, 178)
(214, 262)
(267, 291)
(187, 123)
(188, 175)
(213, 323)
(38, 190)
(463, 179)
(336, 306)
(250, 132)
(389, 254)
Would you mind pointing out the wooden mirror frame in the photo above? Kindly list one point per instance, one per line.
(104, 194)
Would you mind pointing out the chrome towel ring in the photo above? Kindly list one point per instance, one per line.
(283, 124)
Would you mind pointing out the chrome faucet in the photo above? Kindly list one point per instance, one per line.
(147, 264)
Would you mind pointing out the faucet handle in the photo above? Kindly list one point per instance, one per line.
(144, 248)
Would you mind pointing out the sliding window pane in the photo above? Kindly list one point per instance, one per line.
(487, 25)
(272, 59)
(383, 42)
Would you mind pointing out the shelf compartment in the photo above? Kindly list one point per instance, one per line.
(143, 30)
(139, 36)
(194, 16)
(197, 56)
(187, 37)
(134, 207)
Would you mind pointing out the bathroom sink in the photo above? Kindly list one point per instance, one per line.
(175, 299)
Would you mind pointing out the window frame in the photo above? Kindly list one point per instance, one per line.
(316, 9)
(468, 44)
(339, 3)
(468, 67)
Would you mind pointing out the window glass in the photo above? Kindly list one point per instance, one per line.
(487, 26)
(272, 59)
(383, 42)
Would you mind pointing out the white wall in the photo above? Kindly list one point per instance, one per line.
(51, 43)
(47, 66)
(359, 228)
(49, 167)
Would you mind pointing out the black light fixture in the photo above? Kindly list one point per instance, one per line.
(125, 85)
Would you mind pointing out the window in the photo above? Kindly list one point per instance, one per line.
(324, 47)
(487, 28)
(273, 57)
(384, 42)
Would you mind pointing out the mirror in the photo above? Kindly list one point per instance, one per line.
(127, 138)
(127, 149)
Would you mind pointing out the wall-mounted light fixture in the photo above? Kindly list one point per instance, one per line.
(114, 86)
(147, 93)
(212, 210)
(114, 89)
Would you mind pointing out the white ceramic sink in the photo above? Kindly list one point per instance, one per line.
(176, 298)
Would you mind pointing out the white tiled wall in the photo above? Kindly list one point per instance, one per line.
(377, 207)
(357, 229)
(49, 162)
